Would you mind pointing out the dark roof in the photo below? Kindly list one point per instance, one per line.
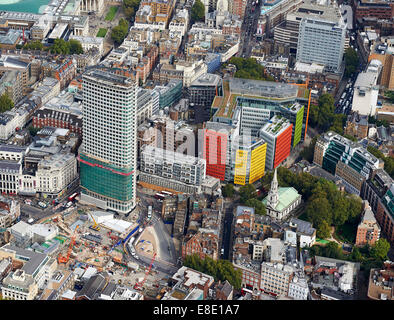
(226, 288)
(93, 288)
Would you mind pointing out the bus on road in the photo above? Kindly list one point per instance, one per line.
(160, 196)
(72, 197)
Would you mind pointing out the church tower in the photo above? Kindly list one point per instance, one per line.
(273, 195)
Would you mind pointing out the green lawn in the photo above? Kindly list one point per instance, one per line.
(102, 32)
(111, 13)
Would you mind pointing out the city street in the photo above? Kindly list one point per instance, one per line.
(248, 29)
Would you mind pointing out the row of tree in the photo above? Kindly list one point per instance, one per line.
(60, 46)
(249, 68)
(119, 33)
(351, 62)
(219, 269)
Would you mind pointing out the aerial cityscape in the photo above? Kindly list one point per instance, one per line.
(211, 150)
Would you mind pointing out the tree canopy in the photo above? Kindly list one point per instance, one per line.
(130, 7)
(228, 190)
(34, 45)
(6, 102)
(247, 192)
(60, 46)
(322, 115)
(351, 61)
(120, 31)
(219, 269)
(249, 68)
(198, 12)
(258, 206)
(326, 205)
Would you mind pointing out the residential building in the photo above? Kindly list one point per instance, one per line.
(305, 233)
(378, 190)
(108, 165)
(374, 8)
(357, 125)
(368, 230)
(189, 285)
(380, 286)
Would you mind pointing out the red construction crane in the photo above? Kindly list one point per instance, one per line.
(139, 285)
(62, 259)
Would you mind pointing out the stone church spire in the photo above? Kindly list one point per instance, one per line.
(273, 195)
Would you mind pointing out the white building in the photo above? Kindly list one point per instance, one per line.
(366, 89)
(55, 173)
(43, 232)
(90, 42)
(298, 288)
(322, 37)
(180, 22)
(157, 164)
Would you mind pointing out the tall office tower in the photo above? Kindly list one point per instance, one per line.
(108, 155)
(321, 38)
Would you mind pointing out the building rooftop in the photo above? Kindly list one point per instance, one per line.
(275, 126)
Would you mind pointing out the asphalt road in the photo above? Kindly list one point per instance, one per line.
(227, 230)
(248, 29)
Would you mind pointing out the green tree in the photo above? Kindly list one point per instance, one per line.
(390, 96)
(258, 206)
(198, 11)
(220, 269)
(351, 61)
(119, 32)
(228, 190)
(34, 45)
(60, 46)
(247, 192)
(33, 131)
(75, 47)
(130, 7)
(323, 230)
(6, 102)
(322, 115)
(380, 249)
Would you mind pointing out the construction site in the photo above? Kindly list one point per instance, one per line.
(94, 241)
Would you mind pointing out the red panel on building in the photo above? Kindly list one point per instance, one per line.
(215, 150)
(283, 146)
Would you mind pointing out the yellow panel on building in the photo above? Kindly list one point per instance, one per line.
(241, 161)
(257, 163)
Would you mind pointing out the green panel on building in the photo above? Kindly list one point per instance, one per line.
(105, 182)
(298, 127)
